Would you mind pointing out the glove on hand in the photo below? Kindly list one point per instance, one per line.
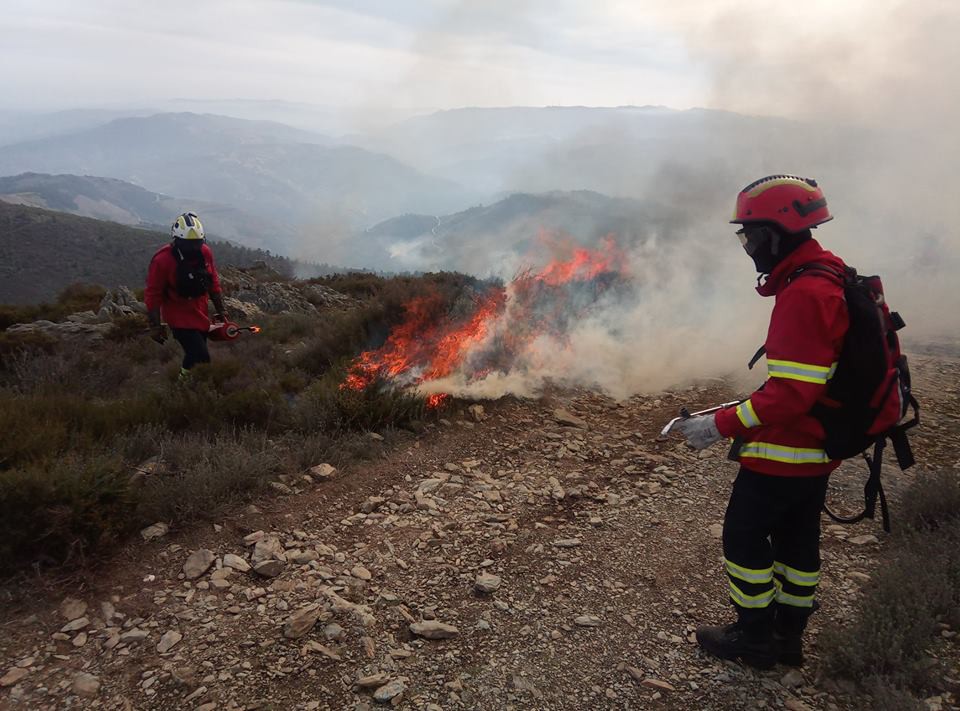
(158, 333)
(700, 431)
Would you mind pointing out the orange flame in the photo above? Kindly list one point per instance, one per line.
(429, 344)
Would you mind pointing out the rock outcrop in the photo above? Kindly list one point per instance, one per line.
(259, 290)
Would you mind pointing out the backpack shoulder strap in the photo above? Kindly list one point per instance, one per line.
(822, 270)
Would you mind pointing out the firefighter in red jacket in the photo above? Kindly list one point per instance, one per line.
(771, 530)
(182, 275)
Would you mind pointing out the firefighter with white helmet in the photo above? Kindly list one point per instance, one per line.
(181, 279)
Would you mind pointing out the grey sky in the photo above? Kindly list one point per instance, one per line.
(819, 57)
(429, 53)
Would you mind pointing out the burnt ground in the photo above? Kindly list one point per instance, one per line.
(604, 540)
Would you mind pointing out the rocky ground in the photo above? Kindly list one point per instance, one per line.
(524, 555)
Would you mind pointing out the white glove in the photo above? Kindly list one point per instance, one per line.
(700, 431)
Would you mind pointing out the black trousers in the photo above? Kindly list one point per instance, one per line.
(194, 344)
(771, 543)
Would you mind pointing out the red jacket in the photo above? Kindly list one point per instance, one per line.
(803, 345)
(161, 291)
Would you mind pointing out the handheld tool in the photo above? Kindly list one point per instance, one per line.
(686, 414)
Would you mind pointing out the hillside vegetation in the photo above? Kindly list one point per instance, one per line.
(42, 252)
(100, 438)
(129, 204)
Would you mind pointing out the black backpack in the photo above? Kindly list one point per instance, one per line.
(869, 395)
(193, 277)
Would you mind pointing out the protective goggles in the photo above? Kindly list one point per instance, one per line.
(753, 237)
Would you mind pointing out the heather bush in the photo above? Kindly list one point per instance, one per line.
(918, 586)
(60, 511)
(78, 422)
(74, 298)
(199, 476)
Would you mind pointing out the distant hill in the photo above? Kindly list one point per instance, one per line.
(275, 171)
(118, 147)
(17, 126)
(621, 151)
(128, 204)
(487, 238)
(42, 251)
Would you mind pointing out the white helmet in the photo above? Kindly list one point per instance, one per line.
(187, 226)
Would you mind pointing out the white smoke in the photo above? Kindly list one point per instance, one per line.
(666, 327)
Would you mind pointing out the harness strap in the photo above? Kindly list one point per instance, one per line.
(872, 490)
(761, 352)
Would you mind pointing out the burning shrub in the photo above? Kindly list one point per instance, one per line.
(490, 330)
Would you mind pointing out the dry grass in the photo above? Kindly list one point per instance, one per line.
(78, 421)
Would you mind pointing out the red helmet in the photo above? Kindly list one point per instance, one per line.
(793, 203)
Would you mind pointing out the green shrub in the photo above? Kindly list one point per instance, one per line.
(888, 697)
(932, 502)
(289, 327)
(360, 285)
(81, 297)
(11, 314)
(128, 328)
(29, 345)
(916, 587)
(59, 513)
(378, 406)
(343, 335)
(74, 298)
(200, 476)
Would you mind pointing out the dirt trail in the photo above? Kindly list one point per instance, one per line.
(602, 545)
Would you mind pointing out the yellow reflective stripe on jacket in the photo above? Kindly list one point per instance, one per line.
(797, 577)
(749, 575)
(805, 372)
(783, 453)
(747, 415)
(792, 600)
(752, 601)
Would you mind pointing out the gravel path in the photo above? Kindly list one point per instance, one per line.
(524, 555)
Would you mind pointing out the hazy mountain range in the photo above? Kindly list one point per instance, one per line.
(278, 172)
(325, 198)
(128, 204)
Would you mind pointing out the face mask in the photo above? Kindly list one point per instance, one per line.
(189, 246)
(762, 244)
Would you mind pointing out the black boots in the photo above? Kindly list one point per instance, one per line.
(763, 642)
(752, 643)
(789, 624)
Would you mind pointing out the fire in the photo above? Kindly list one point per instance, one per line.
(584, 265)
(437, 400)
(430, 344)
